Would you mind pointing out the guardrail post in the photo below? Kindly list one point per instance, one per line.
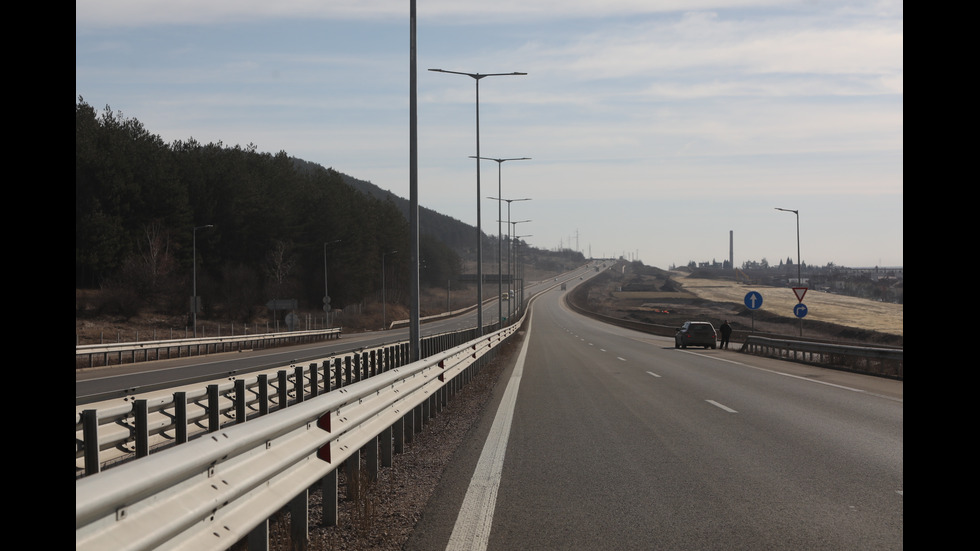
(419, 411)
(408, 431)
(353, 468)
(180, 417)
(338, 372)
(398, 434)
(328, 499)
(347, 369)
(141, 421)
(283, 391)
(90, 436)
(372, 459)
(314, 380)
(385, 442)
(373, 366)
(299, 383)
(258, 538)
(241, 401)
(214, 416)
(263, 394)
(299, 520)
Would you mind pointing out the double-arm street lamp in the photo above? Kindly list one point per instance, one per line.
(500, 233)
(479, 230)
(510, 247)
(513, 231)
(195, 303)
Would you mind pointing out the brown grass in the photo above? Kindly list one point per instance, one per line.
(821, 306)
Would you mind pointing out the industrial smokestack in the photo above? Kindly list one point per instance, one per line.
(731, 248)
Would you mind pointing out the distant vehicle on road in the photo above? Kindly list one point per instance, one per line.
(696, 333)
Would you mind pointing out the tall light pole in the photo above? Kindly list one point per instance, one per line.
(520, 265)
(509, 249)
(799, 266)
(414, 324)
(500, 233)
(326, 295)
(384, 298)
(194, 301)
(479, 229)
(513, 231)
(799, 272)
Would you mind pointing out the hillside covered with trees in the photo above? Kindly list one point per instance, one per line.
(265, 229)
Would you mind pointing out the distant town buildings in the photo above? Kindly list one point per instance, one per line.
(885, 283)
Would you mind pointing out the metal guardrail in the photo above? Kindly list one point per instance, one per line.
(884, 362)
(155, 350)
(141, 425)
(132, 429)
(214, 491)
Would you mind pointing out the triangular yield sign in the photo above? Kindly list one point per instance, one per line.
(799, 292)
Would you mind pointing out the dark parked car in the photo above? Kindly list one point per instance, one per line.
(695, 333)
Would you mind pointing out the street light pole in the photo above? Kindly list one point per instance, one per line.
(414, 327)
(194, 301)
(513, 227)
(479, 230)
(384, 298)
(500, 233)
(326, 295)
(799, 272)
(520, 265)
(509, 252)
(799, 266)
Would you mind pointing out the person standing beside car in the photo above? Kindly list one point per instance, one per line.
(726, 333)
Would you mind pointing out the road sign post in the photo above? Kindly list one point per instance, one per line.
(800, 309)
(753, 301)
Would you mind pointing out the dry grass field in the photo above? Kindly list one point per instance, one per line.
(821, 306)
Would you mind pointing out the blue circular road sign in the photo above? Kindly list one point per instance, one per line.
(753, 300)
(800, 310)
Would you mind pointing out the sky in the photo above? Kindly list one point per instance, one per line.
(655, 130)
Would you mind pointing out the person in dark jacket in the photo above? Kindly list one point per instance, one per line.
(726, 333)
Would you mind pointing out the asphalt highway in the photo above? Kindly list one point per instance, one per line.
(605, 438)
(107, 384)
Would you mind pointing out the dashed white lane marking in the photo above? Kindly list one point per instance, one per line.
(652, 373)
(714, 403)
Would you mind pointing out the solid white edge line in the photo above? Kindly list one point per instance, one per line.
(472, 528)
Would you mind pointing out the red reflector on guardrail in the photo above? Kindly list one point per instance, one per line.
(324, 423)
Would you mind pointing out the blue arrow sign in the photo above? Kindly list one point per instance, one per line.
(800, 310)
(753, 300)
